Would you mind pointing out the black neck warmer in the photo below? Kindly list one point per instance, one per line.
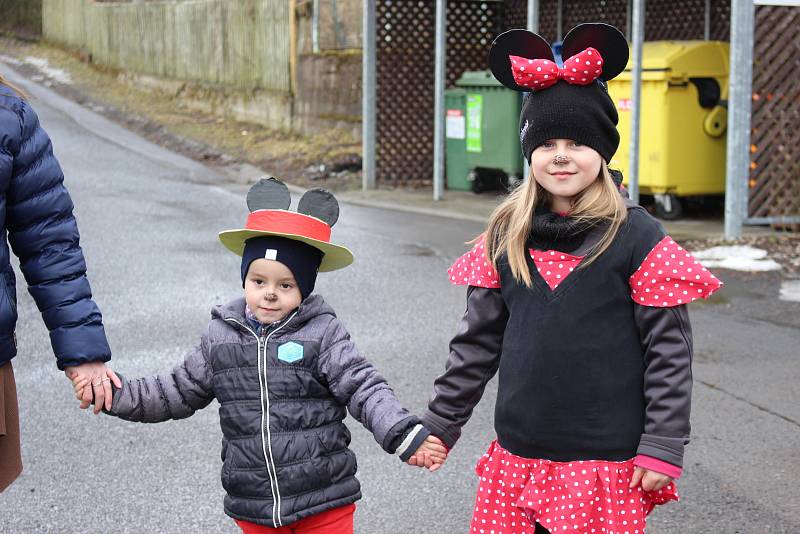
(552, 231)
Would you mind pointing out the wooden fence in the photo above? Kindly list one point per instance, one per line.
(775, 149)
(239, 43)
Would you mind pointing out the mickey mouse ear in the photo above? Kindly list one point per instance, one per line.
(268, 194)
(320, 203)
(607, 39)
(516, 43)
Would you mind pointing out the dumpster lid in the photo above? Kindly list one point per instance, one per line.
(478, 78)
(663, 60)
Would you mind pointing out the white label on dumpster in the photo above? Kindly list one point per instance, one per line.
(455, 127)
(625, 104)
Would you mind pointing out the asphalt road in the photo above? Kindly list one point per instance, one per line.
(149, 221)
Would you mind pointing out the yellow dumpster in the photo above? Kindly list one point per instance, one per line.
(682, 123)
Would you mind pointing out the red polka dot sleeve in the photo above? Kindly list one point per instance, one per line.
(474, 269)
(670, 276)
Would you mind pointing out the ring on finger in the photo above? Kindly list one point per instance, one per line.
(106, 380)
(97, 384)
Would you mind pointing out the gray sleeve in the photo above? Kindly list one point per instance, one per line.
(474, 358)
(355, 383)
(666, 336)
(176, 395)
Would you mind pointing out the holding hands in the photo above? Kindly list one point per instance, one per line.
(431, 454)
(92, 383)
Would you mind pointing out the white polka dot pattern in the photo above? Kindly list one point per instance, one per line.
(554, 266)
(578, 497)
(581, 69)
(474, 269)
(670, 276)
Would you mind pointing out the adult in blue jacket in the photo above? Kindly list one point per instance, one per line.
(36, 220)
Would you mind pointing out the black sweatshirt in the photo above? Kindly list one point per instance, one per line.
(585, 372)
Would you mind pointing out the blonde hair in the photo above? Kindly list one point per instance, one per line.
(511, 222)
(13, 87)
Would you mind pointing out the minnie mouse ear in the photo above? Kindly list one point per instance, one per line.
(516, 43)
(607, 39)
(268, 194)
(320, 203)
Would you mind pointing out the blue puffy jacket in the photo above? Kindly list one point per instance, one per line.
(36, 215)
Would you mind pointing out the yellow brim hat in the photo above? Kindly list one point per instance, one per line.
(290, 225)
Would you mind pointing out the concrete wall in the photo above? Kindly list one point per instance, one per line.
(329, 82)
(328, 92)
(339, 25)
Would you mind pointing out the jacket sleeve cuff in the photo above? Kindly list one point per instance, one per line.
(79, 345)
(666, 449)
(115, 396)
(412, 442)
(654, 464)
(441, 429)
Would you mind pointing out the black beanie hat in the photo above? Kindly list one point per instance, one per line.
(579, 109)
(583, 113)
(300, 258)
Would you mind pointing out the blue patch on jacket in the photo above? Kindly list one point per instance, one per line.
(290, 352)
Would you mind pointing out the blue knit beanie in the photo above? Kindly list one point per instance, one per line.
(300, 258)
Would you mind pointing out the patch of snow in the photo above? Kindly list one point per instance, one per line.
(737, 258)
(790, 290)
(10, 60)
(743, 264)
(735, 251)
(58, 75)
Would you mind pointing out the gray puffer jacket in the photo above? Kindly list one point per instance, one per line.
(282, 395)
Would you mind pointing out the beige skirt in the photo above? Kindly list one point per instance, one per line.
(10, 457)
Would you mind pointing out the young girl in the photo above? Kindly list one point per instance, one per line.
(285, 373)
(578, 299)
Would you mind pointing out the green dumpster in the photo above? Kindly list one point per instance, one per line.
(457, 169)
(492, 119)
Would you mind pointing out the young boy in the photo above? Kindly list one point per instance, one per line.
(284, 371)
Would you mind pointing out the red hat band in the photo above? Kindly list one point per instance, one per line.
(288, 222)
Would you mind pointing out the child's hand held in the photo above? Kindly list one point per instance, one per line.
(650, 480)
(431, 454)
(91, 383)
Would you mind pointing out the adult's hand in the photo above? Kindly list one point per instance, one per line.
(97, 378)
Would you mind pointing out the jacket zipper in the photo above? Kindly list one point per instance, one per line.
(266, 440)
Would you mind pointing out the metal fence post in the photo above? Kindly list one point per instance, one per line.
(533, 16)
(438, 108)
(560, 19)
(637, 34)
(737, 163)
(533, 26)
(368, 97)
(315, 26)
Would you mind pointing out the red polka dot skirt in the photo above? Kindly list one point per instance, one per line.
(582, 496)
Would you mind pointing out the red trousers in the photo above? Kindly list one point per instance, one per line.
(336, 521)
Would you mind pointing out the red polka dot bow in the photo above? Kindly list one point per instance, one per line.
(536, 74)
